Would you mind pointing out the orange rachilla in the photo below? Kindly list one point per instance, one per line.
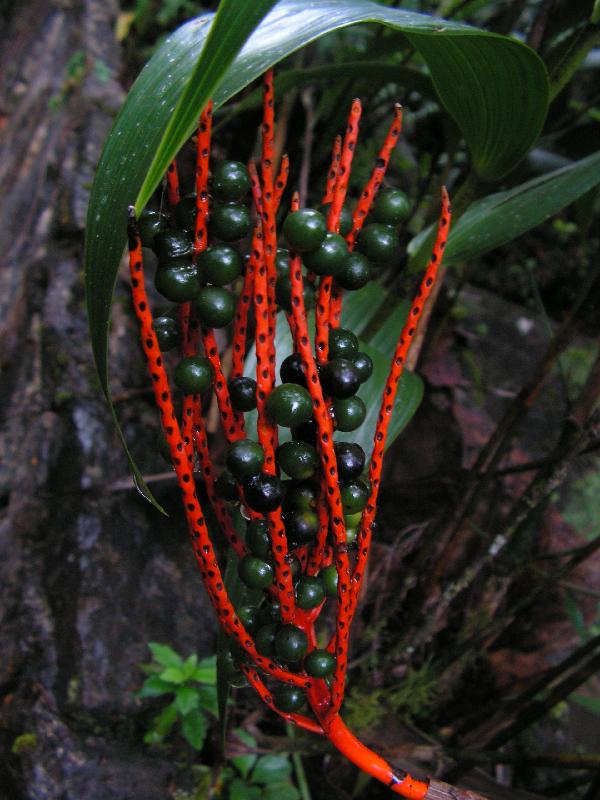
(188, 440)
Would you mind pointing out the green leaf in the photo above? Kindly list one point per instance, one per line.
(590, 703)
(154, 687)
(165, 655)
(163, 723)
(480, 78)
(206, 671)
(280, 791)
(271, 769)
(186, 698)
(244, 763)
(207, 698)
(172, 675)
(194, 728)
(240, 790)
(500, 218)
(190, 665)
(233, 24)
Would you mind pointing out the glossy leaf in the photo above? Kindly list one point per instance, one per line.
(194, 728)
(502, 217)
(479, 77)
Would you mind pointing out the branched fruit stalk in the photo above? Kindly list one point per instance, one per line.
(307, 539)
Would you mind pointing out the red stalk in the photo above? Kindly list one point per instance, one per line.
(173, 184)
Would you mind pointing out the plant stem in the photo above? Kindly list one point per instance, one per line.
(303, 786)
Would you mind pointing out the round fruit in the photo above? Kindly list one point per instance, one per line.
(270, 613)
(350, 460)
(339, 378)
(299, 460)
(379, 243)
(295, 567)
(172, 244)
(245, 459)
(193, 375)
(305, 229)
(263, 492)
(352, 520)
(150, 224)
(329, 257)
(167, 332)
(354, 496)
(230, 181)
(391, 207)
(220, 264)
(349, 413)
(178, 282)
(258, 539)
(215, 306)
(185, 213)
(309, 592)
(255, 573)
(290, 643)
(301, 527)
(248, 616)
(230, 222)
(300, 496)
(306, 433)
(226, 486)
(356, 272)
(351, 534)
(242, 393)
(319, 663)
(291, 370)
(289, 405)
(264, 639)
(329, 579)
(345, 218)
(288, 698)
(282, 261)
(363, 364)
(342, 343)
(283, 293)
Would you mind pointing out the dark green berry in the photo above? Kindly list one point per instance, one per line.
(220, 264)
(356, 273)
(245, 459)
(185, 213)
(288, 698)
(349, 413)
(264, 640)
(309, 592)
(379, 243)
(391, 207)
(352, 520)
(167, 332)
(354, 496)
(301, 527)
(263, 492)
(230, 222)
(339, 378)
(295, 567)
(319, 663)
(292, 371)
(242, 393)
(172, 244)
(230, 181)
(178, 282)
(290, 643)
(300, 496)
(215, 306)
(305, 229)
(350, 460)
(345, 218)
(150, 224)
(351, 534)
(342, 343)
(193, 375)
(329, 579)
(283, 293)
(248, 616)
(282, 261)
(226, 486)
(289, 405)
(299, 460)
(329, 257)
(258, 539)
(271, 613)
(255, 573)
(363, 364)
